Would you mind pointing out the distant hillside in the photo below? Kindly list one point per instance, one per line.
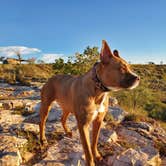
(25, 73)
(153, 76)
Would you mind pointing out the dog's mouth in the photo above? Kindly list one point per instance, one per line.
(135, 84)
(111, 88)
(131, 81)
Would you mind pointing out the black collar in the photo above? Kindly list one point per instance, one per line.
(97, 80)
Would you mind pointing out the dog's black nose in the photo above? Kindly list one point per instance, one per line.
(134, 78)
(138, 78)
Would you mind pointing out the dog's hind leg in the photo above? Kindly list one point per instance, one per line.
(63, 120)
(44, 111)
(47, 97)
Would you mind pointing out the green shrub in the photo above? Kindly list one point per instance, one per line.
(161, 146)
(156, 110)
(131, 117)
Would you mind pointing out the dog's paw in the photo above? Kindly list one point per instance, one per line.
(44, 142)
(98, 157)
(69, 134)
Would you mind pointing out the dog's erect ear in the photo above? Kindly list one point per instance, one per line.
(106, 53)
(116, 53)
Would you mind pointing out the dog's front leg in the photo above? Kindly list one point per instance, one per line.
(95, 135)
(84, 135)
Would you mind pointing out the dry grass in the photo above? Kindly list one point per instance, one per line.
(25, 73)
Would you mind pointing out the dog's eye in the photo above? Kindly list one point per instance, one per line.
(122, 70)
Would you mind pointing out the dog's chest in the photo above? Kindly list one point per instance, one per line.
(100, 108)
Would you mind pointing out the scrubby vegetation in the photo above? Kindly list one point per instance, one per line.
(149, 99)
(25, 73)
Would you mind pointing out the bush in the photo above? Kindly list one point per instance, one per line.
(135, 99)
(136, 117)
(131, 117)
(156, 110)
(161, 146)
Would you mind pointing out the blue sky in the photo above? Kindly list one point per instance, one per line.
(137, 28)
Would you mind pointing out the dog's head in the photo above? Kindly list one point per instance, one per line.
(115, 72)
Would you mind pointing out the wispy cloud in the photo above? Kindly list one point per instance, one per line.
(50, 58)
(11, 51)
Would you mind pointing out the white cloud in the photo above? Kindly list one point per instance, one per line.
(11, 51)
(50, 58)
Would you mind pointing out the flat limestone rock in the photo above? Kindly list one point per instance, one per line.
(133, 157)
(66, 152)
(107, 135)
(9, 149)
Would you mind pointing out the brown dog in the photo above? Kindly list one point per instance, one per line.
(86, 97)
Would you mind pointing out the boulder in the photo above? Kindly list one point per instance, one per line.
(113, 101)
(13, 104)
(29, 127)
(143, 144)
(9, 148)
(65, 152)
(134, 137)
(142, 125)
(54, 114)
(17, 104)
(133, 157)
(107, 136)
(27, 156)
(10, 159)
(8, 120)
(7, 105)
(128, 157)
(116, 113)
(26, 93)
(153, 155)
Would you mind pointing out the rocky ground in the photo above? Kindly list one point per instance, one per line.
(122, 142)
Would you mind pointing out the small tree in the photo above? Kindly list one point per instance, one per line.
(18, 54)
(79, 64)
(151, 63)
(40, 61)
(2, 58)
(86, 60)
(18, 51)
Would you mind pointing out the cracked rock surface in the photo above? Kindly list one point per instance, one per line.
(126, 143)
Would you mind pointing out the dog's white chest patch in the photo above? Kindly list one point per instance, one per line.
(95, 113)
(100, 109)
(102, 106)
